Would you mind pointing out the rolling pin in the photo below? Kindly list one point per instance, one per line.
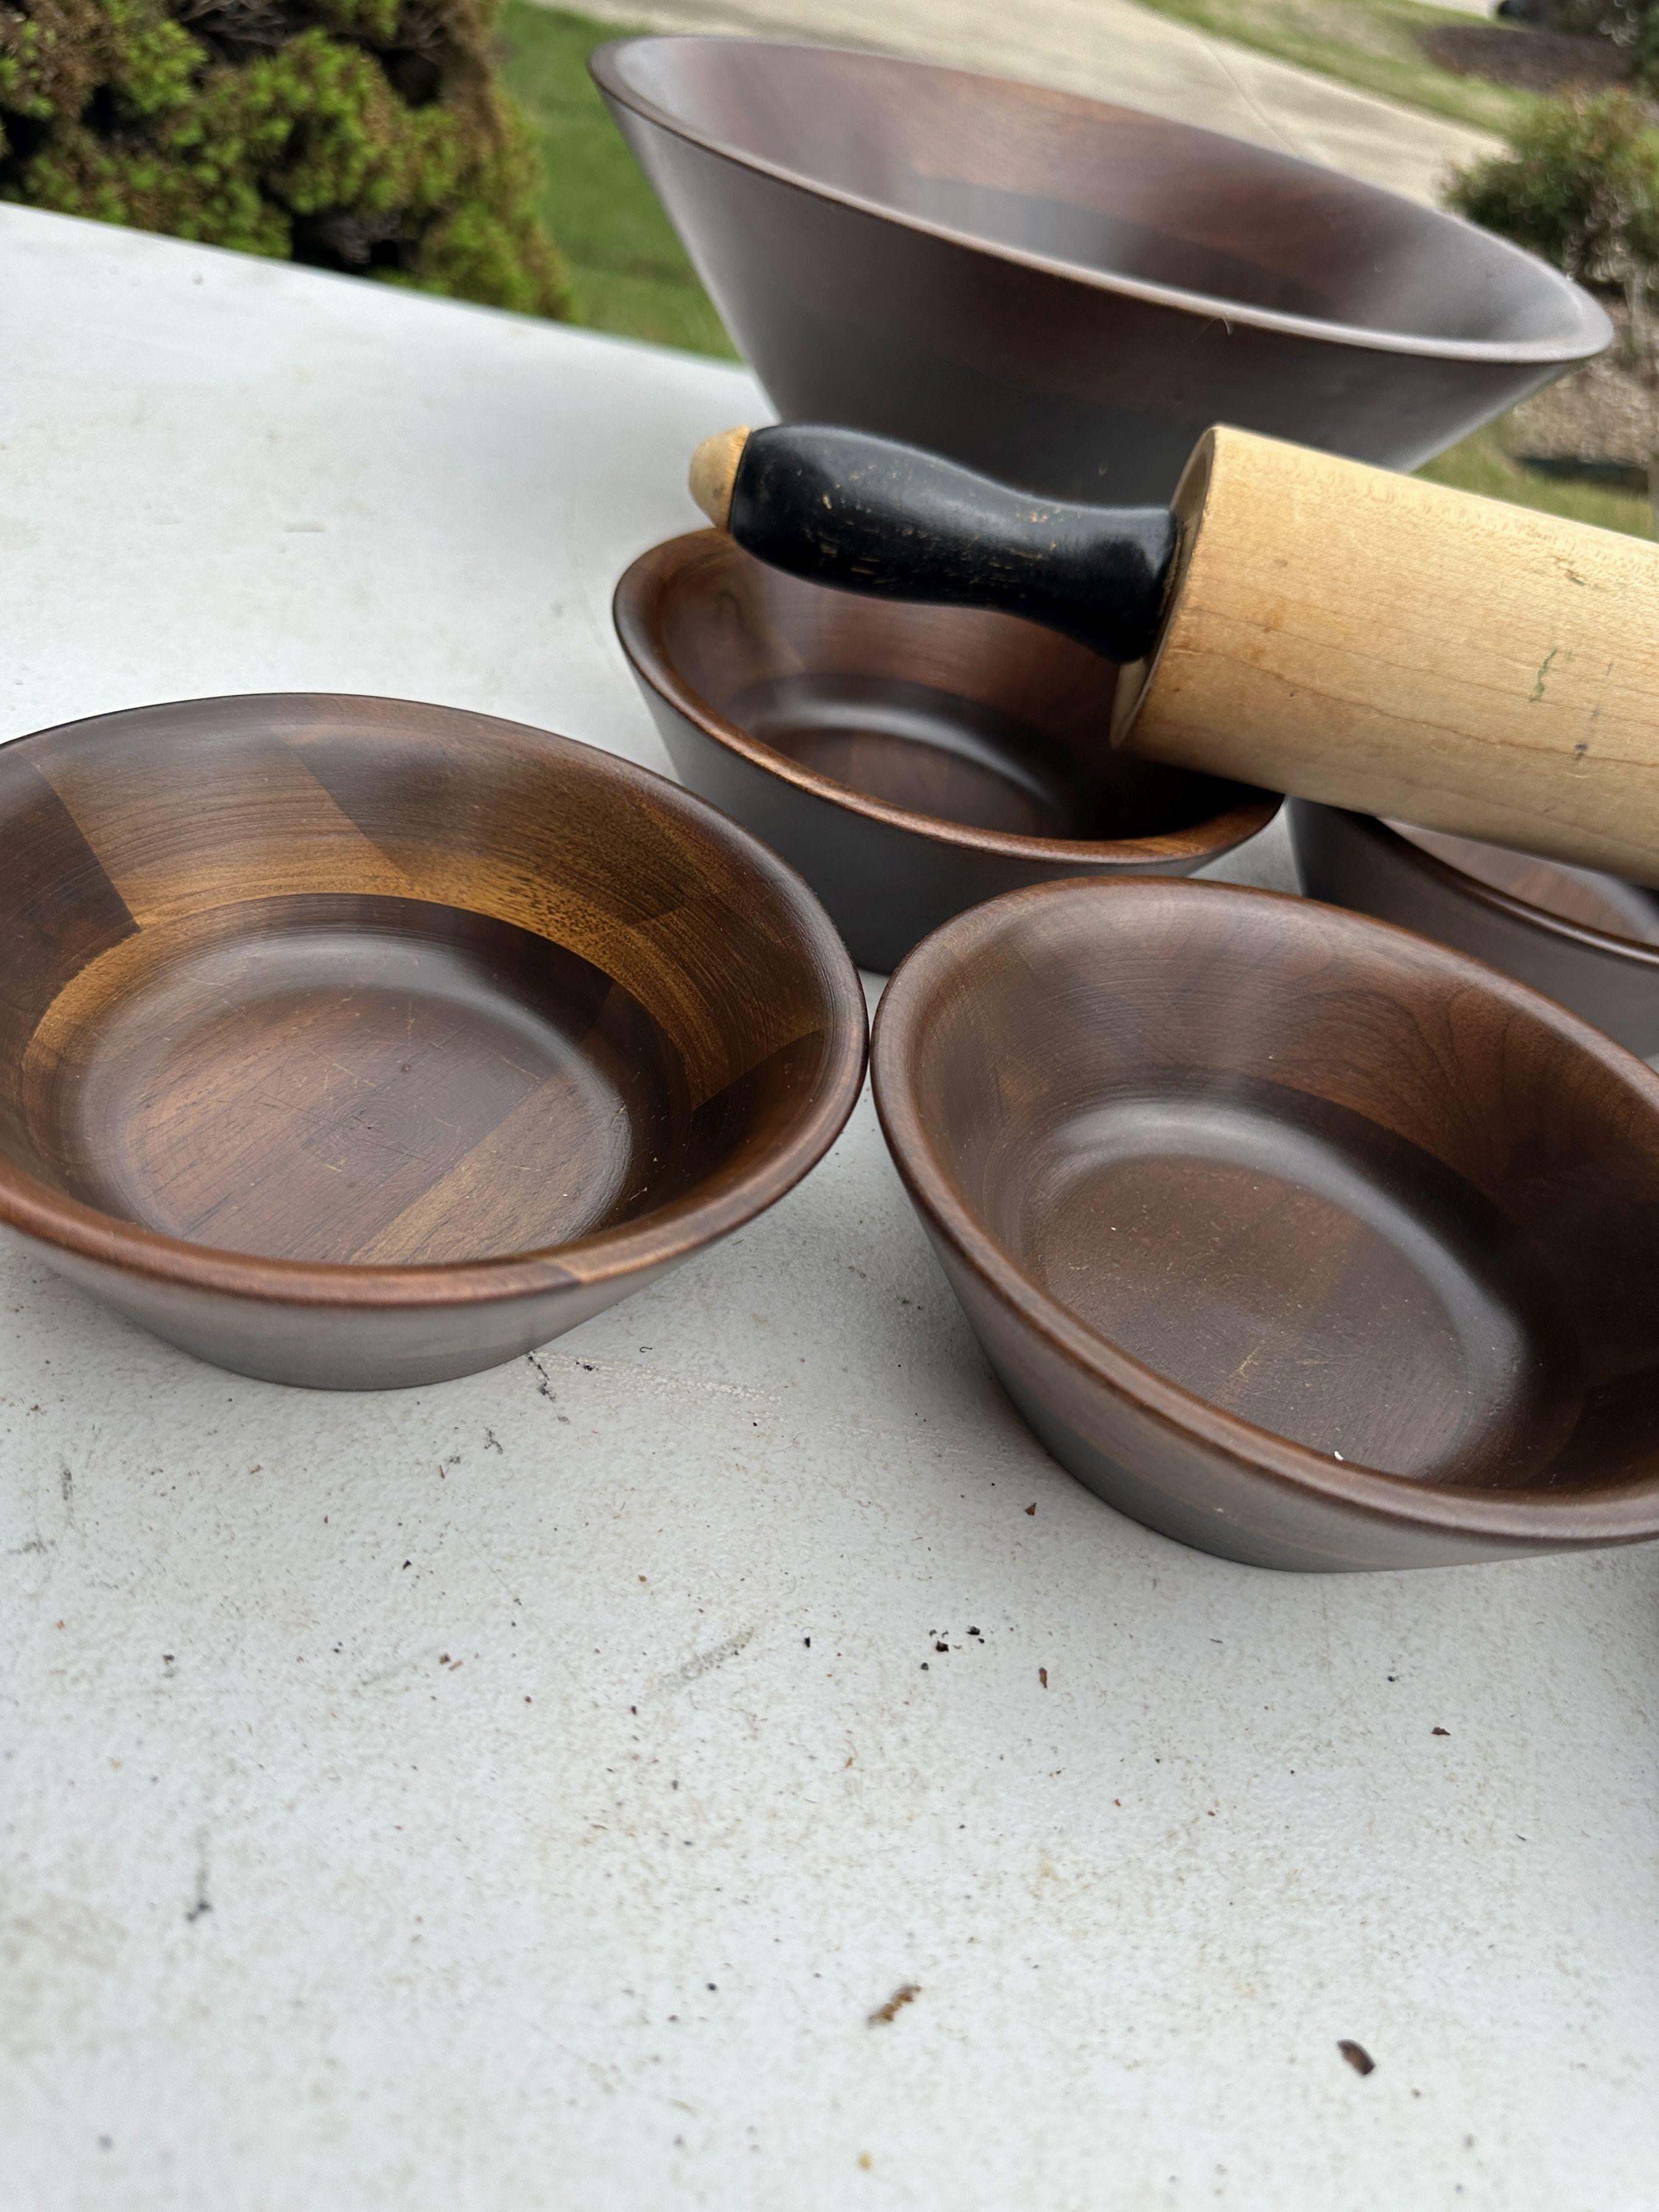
(1294, 620)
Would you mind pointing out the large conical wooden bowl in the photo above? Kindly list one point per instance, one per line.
(1062, 294)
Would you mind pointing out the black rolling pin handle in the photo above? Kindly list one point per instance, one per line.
(864, 515)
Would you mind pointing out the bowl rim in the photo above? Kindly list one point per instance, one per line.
(1592, 331)
(36, 1209)
(1398, 847)
(637, 607)
(1620, 1510)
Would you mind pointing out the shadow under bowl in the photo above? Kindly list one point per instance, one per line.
(1065, 295)
(1590, 941)
(357, 1043)
(1295, 1237)
(909, 761)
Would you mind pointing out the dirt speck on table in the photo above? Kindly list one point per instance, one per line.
(906, 1993)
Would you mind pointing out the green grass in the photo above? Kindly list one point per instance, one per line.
(1371, 44)
(627, 269)
(631, 276)
(1481, 464)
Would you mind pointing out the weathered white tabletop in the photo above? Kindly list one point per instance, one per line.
(521, 1793)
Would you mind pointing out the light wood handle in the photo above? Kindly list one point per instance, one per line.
(713, 472)
(1345, 634)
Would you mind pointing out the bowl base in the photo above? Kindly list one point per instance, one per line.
(353, 1078)
(1297, 1265)
(913, 745)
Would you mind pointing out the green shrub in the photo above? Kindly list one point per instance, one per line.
(1579, 184)
(368, 136)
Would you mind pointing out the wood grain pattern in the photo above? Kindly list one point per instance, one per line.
(1298, 1237)
(1590, 940)
(909, 761)
(1393, 647)
(1063, 293)
(379, 1011)
(1626, 911)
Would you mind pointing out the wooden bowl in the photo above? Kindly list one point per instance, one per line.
(356, 1043)
(910, 761)
(1294, 1236)
(1590, 941)
(1063, 294)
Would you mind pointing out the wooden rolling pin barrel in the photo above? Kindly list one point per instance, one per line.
(1297, 620)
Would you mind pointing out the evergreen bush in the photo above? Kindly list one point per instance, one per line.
(1579, 184)
(369, 136)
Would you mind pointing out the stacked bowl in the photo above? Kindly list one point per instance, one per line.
(1302, 1238)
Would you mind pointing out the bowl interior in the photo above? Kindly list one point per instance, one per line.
(1321, 1174)
(1579, 895)
(1110, 190)
(943, 713)
(345, 981)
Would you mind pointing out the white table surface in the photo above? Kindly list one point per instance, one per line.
(296, 1915)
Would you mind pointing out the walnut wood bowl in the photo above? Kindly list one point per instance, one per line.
(1061, 294)
(1294, 1236)
(356, 1043)
(910, 761)
(1590, 941)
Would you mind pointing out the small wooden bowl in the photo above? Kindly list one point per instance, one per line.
(1295, 1236)
(910, 761)
(356, 1043)
(1590, 941)
(1063, 293)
